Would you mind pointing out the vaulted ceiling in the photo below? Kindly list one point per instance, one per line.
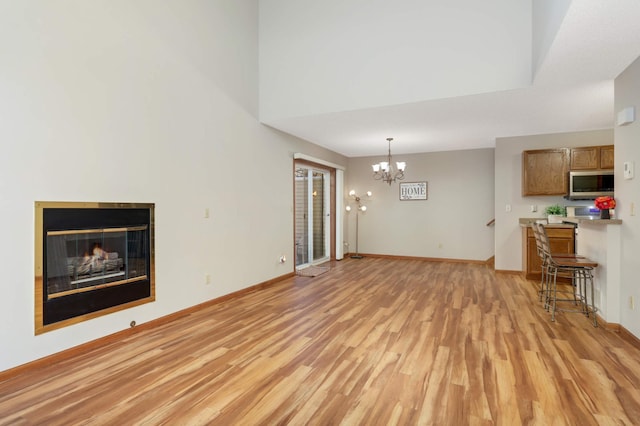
(436, 75)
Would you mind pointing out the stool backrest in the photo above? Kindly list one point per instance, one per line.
(534, 229)
(541, 234)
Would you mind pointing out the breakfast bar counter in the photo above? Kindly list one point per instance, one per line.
(599, 240)
(583, 221)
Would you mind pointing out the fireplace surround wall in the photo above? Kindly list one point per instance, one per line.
(91, 259)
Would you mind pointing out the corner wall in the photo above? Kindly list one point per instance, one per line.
(627, 93)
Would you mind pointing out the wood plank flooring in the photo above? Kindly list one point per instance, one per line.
(371, 342)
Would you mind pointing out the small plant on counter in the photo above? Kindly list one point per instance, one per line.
(555, 210)
(555, 213)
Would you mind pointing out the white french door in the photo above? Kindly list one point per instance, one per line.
(312, 215)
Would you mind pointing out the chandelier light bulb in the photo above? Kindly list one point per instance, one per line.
(363, 208)
(369, 194)
(352, 193)
(348, 208)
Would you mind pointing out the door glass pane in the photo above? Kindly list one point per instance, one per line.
(318, 216)
(312, 221)
(301, 219)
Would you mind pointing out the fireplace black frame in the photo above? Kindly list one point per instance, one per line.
(56, 310)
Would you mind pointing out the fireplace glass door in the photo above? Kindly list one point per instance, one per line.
(79, 261)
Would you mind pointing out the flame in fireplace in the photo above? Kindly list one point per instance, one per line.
(98, 252)
(96, 258)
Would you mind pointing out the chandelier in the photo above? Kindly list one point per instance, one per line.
(384, 170)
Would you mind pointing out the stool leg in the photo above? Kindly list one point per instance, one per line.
(580, 288)
(542, 289)
(547, 291)
(575, 281)
(593, 301)
(583, 290)
(555, 293)
(585, 277)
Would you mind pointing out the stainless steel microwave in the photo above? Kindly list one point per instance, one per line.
(589, 185)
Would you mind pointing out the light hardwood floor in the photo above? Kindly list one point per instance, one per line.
(371, 342)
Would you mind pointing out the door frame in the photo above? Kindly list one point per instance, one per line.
(332, 203)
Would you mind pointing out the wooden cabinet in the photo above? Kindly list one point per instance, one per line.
(606, 157)
(587, 158)
(561, 240)
(592, 157)
(545, 172)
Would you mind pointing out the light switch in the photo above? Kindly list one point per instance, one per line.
(628, 170)
(507, 208)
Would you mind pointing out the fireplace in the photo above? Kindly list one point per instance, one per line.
(91, 259)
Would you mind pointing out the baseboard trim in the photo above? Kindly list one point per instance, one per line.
(619, 329)
(119, 335)
(509, 272)
(425, 259)
(628, 336)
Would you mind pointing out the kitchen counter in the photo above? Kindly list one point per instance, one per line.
(584, 221)
(526, 221)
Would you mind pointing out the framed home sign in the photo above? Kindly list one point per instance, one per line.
(413, 191)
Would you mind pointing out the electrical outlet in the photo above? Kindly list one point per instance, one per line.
(534, 208)
(632, 304)
(507, 208)
(207, 279)
(206, 213)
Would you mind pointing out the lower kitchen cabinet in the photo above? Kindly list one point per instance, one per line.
(561, 239)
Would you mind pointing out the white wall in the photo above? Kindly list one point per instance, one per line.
(140, 102)
(508, 188)
(450, 224)
(547, 17)
(338, 55)
(627, 93)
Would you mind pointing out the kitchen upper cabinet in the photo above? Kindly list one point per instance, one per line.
(592, 157)
(545, 172)
(606, 157)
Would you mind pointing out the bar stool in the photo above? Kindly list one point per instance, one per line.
(544, 268)
(542, 241)
(579, 269)
(539, 233)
